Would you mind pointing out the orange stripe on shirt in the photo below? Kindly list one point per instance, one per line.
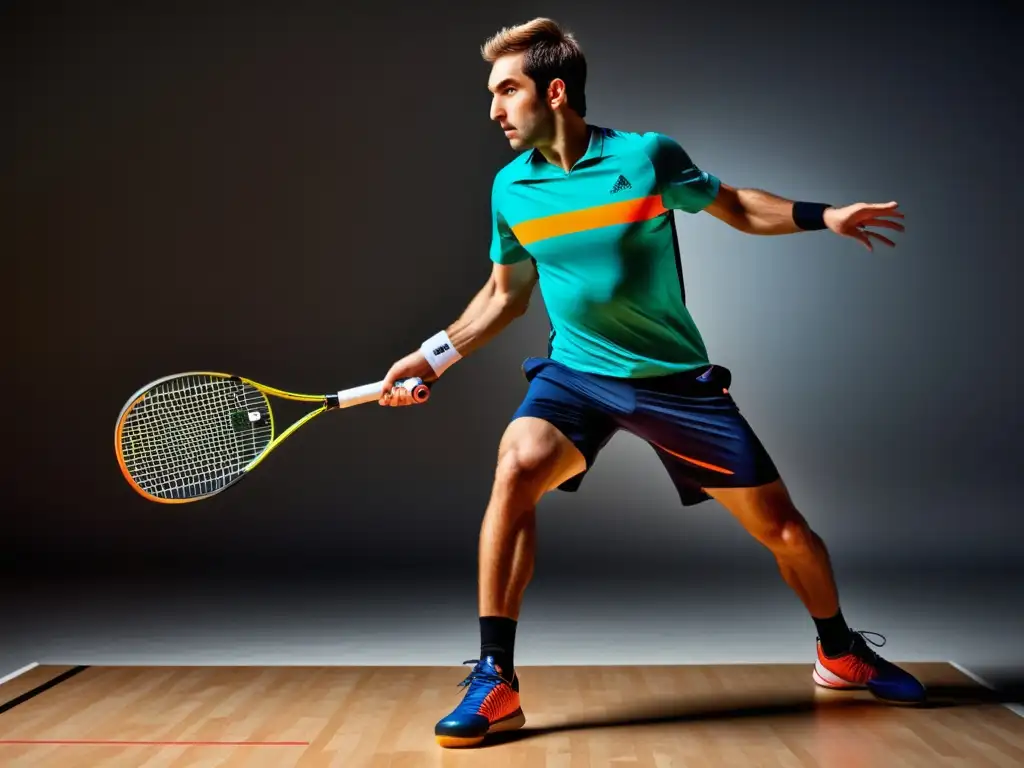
(625, 212)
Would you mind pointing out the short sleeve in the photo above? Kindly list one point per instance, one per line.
(683, 186)
(505, 248)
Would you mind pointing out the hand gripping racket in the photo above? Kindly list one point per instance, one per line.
(189, 436)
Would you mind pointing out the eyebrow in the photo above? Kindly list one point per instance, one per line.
(503, 83)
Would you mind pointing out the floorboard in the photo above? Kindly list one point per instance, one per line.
(657, 716)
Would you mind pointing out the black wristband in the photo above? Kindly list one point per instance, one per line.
(809, 216)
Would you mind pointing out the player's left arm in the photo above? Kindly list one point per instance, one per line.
(686, 187)
(757, 212)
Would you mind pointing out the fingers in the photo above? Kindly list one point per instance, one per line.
(857, 234)
(864, 236)
(892, 205)
(386, 387)
(883, 223)
(881, 238)
(876, 215)
(890, 209)
(396, 396)
(399, 396)
(872, 211)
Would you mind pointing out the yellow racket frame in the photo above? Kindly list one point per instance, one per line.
(341, 399)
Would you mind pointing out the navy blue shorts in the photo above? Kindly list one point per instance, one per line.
(689, 419)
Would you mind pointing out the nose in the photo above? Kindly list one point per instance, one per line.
(496, 110)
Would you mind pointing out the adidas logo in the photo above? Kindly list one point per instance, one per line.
(621, 183)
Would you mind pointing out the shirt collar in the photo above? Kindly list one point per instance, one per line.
(595, 151)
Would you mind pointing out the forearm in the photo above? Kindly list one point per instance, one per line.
(757, 212)
(489, 313)
(763, 213)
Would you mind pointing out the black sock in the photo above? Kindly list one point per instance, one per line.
(498, 639)
(834, 634)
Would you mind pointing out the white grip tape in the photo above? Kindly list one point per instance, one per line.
(357, 395)
(440, 352)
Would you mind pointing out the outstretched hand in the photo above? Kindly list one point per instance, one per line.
(854, 220)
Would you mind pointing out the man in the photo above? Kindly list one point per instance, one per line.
(587, 213)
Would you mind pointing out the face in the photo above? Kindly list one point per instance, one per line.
(523, 114)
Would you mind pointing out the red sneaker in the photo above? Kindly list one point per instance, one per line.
(861, 667)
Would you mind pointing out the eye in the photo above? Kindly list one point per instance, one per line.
(509, 90)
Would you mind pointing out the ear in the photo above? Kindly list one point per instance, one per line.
(556, 93)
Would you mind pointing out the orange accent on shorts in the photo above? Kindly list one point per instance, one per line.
(704, 464)
(625, 212)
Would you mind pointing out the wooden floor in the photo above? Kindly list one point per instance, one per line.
(656, 717)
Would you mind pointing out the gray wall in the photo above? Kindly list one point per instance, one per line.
(300, 196)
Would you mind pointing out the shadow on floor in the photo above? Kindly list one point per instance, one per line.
(822, 704)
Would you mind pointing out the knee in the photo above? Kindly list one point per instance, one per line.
(524, 469)
(790, 536)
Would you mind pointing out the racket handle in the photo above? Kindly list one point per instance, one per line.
(368, 393)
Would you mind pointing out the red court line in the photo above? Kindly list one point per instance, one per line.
(120, 743)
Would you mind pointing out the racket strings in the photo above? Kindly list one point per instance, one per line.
(192, 435)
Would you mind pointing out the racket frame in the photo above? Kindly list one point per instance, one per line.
(330, 401)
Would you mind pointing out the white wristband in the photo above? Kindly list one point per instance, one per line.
(440, 352)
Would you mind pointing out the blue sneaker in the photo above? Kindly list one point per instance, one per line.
(861, 667)
(491, 704)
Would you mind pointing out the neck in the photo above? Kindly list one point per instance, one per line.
(569, 143)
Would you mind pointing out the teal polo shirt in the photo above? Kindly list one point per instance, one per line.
(603, 238)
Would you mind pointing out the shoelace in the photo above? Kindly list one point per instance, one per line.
(478, 675)
(867, 659)
(864, 634)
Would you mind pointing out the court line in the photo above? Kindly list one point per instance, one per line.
(18, 672)
(41, 688)
(1016, 708)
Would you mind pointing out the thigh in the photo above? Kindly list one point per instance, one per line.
(702, 439)
(557, 411)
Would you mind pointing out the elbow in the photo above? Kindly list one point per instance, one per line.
(730, 210)
(744, 221)
(517, 306)
(513, 305)
(741, 219)
(746, 225)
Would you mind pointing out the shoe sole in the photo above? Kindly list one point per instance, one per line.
(833, 682)
(827, 679)
(509, 723)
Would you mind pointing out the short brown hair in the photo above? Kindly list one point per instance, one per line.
(551, 52)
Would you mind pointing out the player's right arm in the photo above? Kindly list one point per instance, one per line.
(504, 297)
